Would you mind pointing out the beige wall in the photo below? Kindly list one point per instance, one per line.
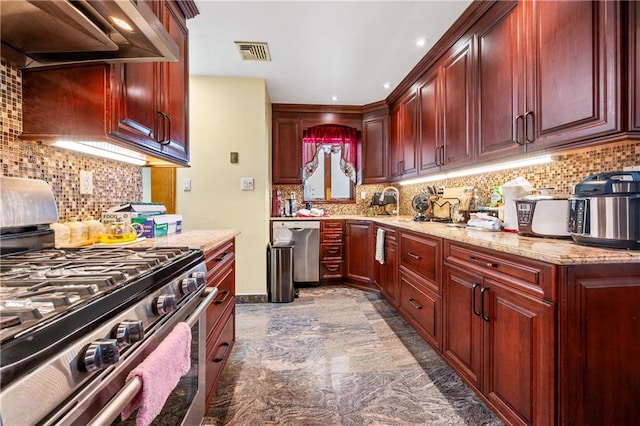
(230, 115)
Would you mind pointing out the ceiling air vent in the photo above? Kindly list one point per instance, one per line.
(253, 51)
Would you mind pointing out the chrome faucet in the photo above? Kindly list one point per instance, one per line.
(397, 199)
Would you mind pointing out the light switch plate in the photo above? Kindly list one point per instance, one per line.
(246, 183)
(186, 185)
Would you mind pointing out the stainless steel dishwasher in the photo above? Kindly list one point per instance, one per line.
(305, 235)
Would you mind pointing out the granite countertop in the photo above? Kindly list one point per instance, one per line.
(206, 240)
(551, 250)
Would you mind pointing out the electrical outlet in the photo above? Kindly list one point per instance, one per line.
(86, 182)
(186, 185)
(363, 195)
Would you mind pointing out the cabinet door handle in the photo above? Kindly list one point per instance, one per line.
(167, 139)
(442, 158)
(415, 256)
(482, 292)
(482, 262)
(517, 120)
(528, 139)
(415, 304)
(473, 298)
(160, 125)
(226, 347)
(226, 295)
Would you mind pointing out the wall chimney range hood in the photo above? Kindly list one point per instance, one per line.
(39, 33)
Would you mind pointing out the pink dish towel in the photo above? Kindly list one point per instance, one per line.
(160, 373)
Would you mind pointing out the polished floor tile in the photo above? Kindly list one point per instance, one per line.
(337, 356)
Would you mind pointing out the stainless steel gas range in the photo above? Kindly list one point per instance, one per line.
(75, 322)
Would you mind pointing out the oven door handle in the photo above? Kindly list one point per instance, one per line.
(209, 293)
(130, 389)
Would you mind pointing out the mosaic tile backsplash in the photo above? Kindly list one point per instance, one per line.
(113, 182)
(562, 174)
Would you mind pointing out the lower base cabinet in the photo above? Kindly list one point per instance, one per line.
(599, 327)
(219, 346)
(421, 306)
(500, 338)
(221, 326)
(386, 274)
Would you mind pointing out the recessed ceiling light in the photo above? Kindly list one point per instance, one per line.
(334, 98)
(421, 42)
(386, 85)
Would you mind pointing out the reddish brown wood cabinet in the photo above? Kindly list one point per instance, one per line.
(548, 75)
(429, 136)
(375, 128)
(358, 251)
(403, 138)
(287, 151)
(331, 250)
(386, 274)
(221, 273)
(499, 330)
(599, 326)
(152, 98)
(420, 298)
(633, 37)
(143, 106)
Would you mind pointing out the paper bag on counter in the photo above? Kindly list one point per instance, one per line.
(511, 191)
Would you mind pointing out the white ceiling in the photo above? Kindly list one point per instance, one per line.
(319, 49)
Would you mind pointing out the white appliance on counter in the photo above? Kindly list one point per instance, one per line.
(305, 235)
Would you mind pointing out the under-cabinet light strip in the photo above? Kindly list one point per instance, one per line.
(103, 150)
(527, 162)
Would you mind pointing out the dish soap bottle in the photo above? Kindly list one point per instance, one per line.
(496, 197)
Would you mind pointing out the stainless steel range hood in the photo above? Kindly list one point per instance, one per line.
(42, 33)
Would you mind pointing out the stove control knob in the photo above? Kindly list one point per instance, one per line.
(99, 355)
(201, 277)
(129, 332)
(164, 304)
(188, 285)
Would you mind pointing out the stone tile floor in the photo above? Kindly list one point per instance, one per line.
(337, 356)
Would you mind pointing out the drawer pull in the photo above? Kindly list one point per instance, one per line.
(219, 301)
(415, 304)
(226, 347)
(415, 256)
(222, 256)
(332, 251)
(482, 262)
(333, 268)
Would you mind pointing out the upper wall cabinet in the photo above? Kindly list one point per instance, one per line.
(286, 160)
(375, 128)
(152, 98)
(445, 138)
(143, 106)
(634, 65)
(403, 138)
(548, 75)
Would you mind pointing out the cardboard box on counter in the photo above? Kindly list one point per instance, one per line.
(159, 225)
(141, 209)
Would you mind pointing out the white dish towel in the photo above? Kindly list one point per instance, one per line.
(380, 246)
